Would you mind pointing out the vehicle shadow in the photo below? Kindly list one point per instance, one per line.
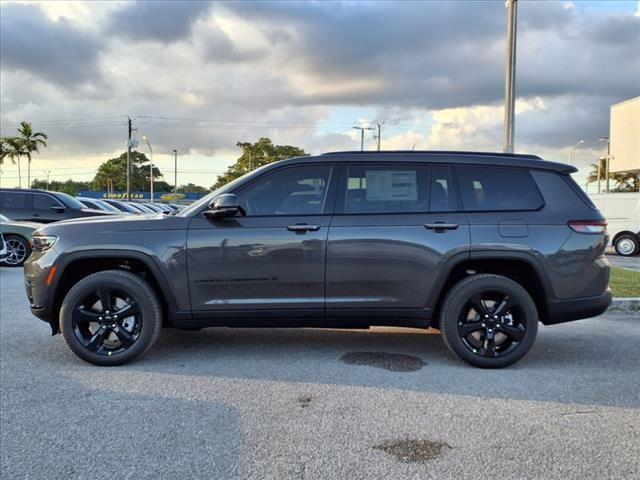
(567, 364)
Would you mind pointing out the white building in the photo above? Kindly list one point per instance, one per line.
(625, 136)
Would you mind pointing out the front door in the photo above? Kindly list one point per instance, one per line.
(273, 256)
(395, 227)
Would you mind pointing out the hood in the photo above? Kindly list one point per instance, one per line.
(106, 224)
(21, 224)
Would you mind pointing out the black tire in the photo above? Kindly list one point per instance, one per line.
(627, 245)
(101, 339)
(478, 336)
(18, 250)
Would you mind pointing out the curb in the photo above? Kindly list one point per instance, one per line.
(626, 305)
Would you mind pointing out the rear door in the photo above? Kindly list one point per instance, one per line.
(395, 227)
(16, 205)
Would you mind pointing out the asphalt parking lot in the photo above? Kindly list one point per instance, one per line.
(311, 404)
(630, 263)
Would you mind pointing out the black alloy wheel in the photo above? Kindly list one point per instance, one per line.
(488, 320)
(110, 317)
(107, 321)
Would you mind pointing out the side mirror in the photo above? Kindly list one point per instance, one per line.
(58, 208)
(223, 206)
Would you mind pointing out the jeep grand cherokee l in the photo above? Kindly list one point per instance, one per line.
(479, 245)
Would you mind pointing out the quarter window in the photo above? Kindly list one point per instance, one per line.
(386, 189)
(290, 191)
(14, 200)
(497, 189)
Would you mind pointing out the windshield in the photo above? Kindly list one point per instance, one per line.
(69, 201)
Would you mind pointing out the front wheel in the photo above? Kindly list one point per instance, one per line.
(110, 317)
(489, 321)
(627, 245)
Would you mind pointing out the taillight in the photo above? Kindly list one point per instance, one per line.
(588, 226)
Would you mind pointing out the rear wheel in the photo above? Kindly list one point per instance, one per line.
(627, 245)
(489, 321)
(18, 250)
(110, 317)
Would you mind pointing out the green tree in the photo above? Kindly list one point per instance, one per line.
(30, 143)
(72, 187)
(192, 188)
(624, 182)
(112, 174)
(255, 155)
(12, 149)
(593, 174)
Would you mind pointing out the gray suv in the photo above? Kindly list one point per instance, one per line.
(479, 245)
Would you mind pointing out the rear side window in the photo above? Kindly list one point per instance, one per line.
(45, 202)
(14, 200)
(497, 189)
(387, 189)
(443, 198)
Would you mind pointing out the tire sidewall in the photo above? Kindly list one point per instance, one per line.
(633, 238)
(457, 299)
(125, 282)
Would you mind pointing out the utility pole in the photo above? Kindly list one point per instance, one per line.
(379, 136)
(606, 173)
(362, 129)
(146, 139)
(129, 129)
(510, 80)
(175, 176)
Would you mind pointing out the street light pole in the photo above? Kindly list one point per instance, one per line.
(175, 176)
(362, 129)
(146, 139)
(48, 172)
(510, 80)
(577, 145)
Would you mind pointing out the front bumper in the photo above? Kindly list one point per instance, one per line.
(561, 311)
(40, 294)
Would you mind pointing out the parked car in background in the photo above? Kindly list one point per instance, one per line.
(43, 206)
(622, 211)
(122, 206)
(482, 246)
(18, 237)
(3, 248)
(98, 204)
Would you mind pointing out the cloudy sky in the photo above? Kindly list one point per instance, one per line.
(200, 76)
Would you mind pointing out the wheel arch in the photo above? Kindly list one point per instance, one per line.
(77, 265)
(519, 267)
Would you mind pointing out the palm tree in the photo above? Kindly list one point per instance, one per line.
(31, 142)
(598, 171)
(12, 149)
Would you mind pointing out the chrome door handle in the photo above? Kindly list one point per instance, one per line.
(303, 227)
(441, 227)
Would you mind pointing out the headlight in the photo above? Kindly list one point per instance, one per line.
(43, 242)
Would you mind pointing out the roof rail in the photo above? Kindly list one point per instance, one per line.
(435, 152)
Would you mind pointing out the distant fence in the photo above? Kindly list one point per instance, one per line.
(145, 196)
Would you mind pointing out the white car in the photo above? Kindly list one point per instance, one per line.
(622, 211)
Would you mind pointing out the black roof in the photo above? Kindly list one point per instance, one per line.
(445, 156)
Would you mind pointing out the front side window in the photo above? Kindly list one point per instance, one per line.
(45, 202)
(497, 189)
(386, 189)
(290, 191)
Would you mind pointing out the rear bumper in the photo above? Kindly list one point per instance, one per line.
(561, 311)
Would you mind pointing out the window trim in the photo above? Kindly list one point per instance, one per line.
(503, 167)
(329, 197)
